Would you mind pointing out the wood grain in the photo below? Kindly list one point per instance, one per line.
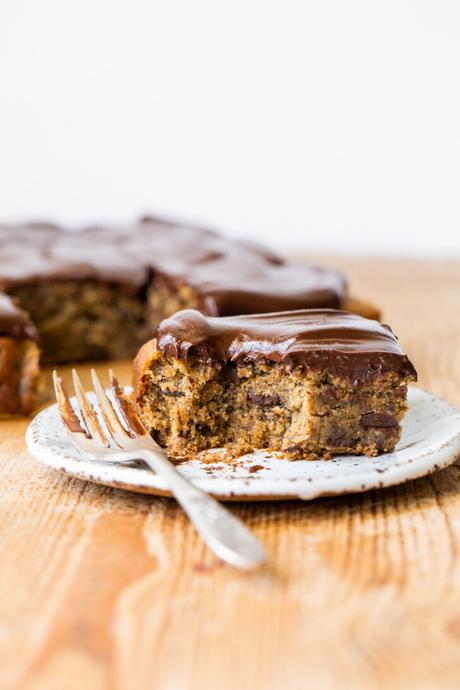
(103, 589)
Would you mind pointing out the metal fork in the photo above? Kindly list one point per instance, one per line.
(125, 439)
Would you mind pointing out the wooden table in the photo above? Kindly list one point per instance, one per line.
(105, 589)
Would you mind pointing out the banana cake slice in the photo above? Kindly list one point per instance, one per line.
(310, 383)
(19, 355)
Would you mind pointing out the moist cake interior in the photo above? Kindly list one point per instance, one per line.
(85, 319)
(191, 408)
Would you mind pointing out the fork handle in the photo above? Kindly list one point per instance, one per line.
(224, 533)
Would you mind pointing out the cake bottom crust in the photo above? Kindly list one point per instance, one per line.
(190, 408)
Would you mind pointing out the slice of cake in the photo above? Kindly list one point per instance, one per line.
(19, 355)
(311, 383)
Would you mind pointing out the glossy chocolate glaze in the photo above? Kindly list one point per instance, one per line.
(344, 344)
(14, 322)
(230, 277)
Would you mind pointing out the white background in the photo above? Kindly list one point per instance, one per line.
(325, 125)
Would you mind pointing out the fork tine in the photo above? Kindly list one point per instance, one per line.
(126, 408)
(87, 411)
(66, 410)
(116, 428)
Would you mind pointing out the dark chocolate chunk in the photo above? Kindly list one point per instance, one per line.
(340, 439)
(379, 420)
(265, 401)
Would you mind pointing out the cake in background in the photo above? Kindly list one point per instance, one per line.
(101, 291)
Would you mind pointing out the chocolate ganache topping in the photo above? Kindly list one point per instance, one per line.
(229, 276)
(14, 322)
(348, 345)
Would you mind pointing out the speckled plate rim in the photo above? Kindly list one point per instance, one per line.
(430, 440)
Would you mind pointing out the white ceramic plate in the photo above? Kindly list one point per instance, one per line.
(430, 440)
